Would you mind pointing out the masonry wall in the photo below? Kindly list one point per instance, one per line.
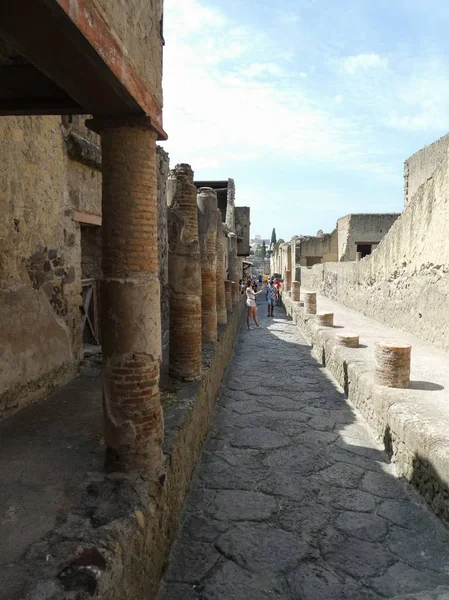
(317, 249)
(162, 170)
(40, 257)
(137, 25)
(419, 167)
(242, 229)
(405, 281)
(361, 228)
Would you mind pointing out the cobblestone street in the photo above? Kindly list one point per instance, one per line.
(292, 497)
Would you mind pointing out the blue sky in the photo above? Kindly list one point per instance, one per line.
(312, 106)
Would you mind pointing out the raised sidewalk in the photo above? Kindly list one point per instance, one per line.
(413, 423)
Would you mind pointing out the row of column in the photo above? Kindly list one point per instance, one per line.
(130, 292)
(200, 294)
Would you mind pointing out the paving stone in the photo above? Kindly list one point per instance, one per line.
(313, 582)
(287, 484)
(178, 591)
(263, 549)
(407, 514)
(354, 500)
(402, 579)
(293, 498)
(359, 558)
(234, 583)
(203, 529)
(427, 549)
(342, 475)
(260, 438)
(302, 460)
(383, 485)
(241, 505)
(362, 525)
(190, 561)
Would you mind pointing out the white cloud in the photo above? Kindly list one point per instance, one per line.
(224, 103)
(338, 99)
(362, 62)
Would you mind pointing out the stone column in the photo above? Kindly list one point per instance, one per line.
(130, 302)
(310, 303)
(235, 270)
(392, 364)
(184, 273)
(296, 290)
(325, 319)
(288, 281)
(207, 227)
(222, 316)
(230, 217)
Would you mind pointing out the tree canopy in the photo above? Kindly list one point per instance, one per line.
(273, 236)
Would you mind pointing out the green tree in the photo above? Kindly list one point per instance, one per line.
(273, 236)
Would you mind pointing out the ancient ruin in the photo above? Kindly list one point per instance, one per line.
(141, 457)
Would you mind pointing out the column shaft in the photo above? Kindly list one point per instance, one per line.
(184, 273)
(207, 226)
(130, 302)
(222, 316)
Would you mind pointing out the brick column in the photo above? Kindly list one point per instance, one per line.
(222, 316)
(184, 274)
(228, 295)
(207, 227)
(235, 267)
(130, 303)
(288, 281)
(296, 290)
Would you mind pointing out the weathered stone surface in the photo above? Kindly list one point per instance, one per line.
(262, 549)
(234, 583)
(207, 229)
(362, 525)
(322, 515)
(239, 505)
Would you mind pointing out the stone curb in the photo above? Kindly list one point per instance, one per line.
(414, 435)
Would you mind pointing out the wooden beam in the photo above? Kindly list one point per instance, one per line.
(44, 33)
(86, 218)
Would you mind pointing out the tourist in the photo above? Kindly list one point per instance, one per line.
(251, 304)
(271, 298)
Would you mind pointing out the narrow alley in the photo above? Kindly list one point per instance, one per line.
(292, 498)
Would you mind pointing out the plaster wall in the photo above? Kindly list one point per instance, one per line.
(405, 281)
(40, 250)
(359, 228)
(419, 167)
(137, 27)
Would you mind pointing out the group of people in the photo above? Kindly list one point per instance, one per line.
(271, 288)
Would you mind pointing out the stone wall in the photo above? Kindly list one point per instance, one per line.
(242, 229)
(361, 228)
(163, 167)
(40, 250)
(419, 167)
(405, 281)
(317, 248)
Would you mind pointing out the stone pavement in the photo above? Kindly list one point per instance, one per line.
(293, 499)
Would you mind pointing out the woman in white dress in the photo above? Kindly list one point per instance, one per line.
(251, 304)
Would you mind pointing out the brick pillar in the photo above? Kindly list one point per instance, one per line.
(392, 364)
(288, 281)
(222, 316)
(184, 275)
(130, 303)
(207, 227)
(235, 267)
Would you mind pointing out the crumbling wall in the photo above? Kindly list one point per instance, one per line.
(40, 256)
(242, 229)
(163, 167)
(361, 228)
(405, 281)
(319, 248)
(419, 167)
